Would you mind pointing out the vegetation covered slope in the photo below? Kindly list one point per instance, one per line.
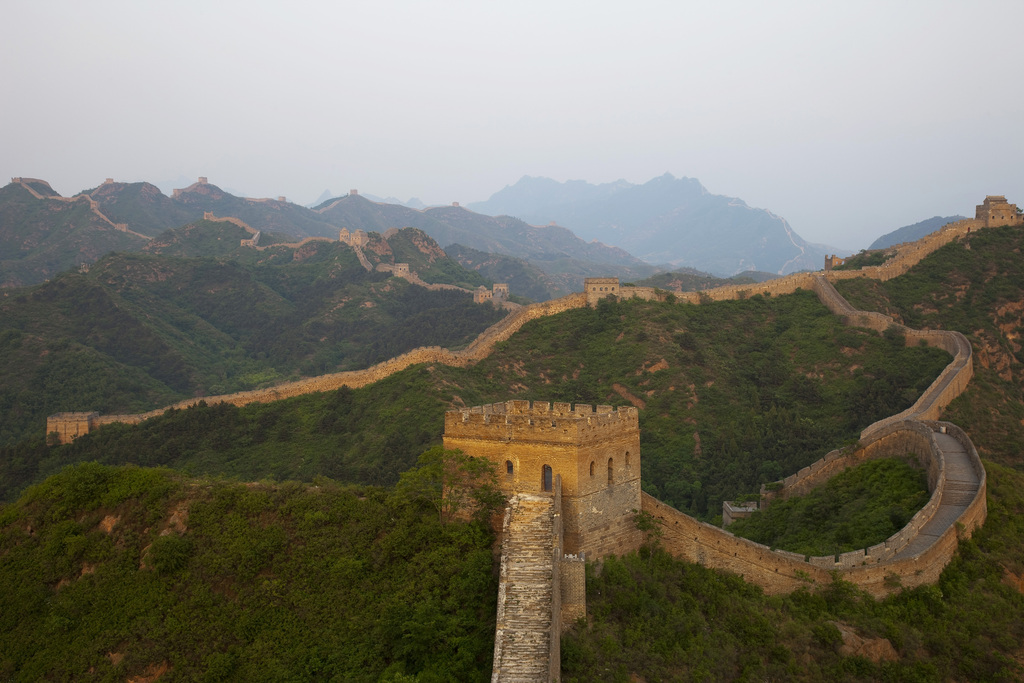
(523, 278)
(855, 509)
(968, 627)
(732, 395)
(112, 573)
(654, 618)
(693, 280)
(140, 331)
(975, 286)
(42, 237)
(651, 617)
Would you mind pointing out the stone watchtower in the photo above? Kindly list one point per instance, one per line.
(995, 211)
(595, 451)
(599, 287)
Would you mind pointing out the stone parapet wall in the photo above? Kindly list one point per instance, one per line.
(910, 254)
(540, 421)
(480, 348)
(950, 383)
(872, 569)
(905, 437)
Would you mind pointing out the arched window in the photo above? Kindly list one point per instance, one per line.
(627, 460)
(546, 478)
(611, 476)
(508, 467)
(591, 468)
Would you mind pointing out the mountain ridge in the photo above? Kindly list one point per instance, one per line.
(666, 220)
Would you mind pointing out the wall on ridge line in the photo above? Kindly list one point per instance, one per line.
(911, 253)
(480, 348)
(950, 383)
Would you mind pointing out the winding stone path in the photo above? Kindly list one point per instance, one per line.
(961, 486)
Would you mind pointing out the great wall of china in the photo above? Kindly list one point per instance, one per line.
(93, 205)
(914, 556)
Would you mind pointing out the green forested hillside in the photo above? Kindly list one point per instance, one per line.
(108, 573)
(692, 280)
(523, 278)
(773, 381)
(975, 286)
(42, 237)
(140, 331)
(658, 618)
(855, 509)
(732, 395)
(652, 617)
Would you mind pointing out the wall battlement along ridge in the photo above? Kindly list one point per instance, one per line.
(541, 421)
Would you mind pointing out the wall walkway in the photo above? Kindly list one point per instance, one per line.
(525, 639)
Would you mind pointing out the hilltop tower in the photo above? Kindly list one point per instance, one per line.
(596, 451)
(995, 211)
(599, 287)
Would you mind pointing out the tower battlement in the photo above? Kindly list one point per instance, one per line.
(541, 421)
(594, 449)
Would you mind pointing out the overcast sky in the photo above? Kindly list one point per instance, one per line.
(848, 119)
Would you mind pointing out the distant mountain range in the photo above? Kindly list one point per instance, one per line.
(42, 233)
(912, 233)
(666, 220)
(547, 233)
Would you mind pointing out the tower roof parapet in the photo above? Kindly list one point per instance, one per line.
(539, 421)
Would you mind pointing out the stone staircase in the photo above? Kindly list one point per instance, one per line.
(961, 486)
(522, 643)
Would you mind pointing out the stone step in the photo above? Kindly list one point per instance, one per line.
(522, 643)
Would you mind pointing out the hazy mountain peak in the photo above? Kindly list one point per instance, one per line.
(665, 220)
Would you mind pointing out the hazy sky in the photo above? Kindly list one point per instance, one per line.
(849, 119)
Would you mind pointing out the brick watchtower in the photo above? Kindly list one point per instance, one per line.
(995, 211)
(595, 451)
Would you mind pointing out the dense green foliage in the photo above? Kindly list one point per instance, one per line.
(523, 278)
(855, 509)
(651, 617)
(875, 257)
(968, 627)
(736, 394)
(232, 582)
(140, 331)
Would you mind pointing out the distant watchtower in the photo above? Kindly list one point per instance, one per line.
(995, 211)
(596, 452)
(599, 287)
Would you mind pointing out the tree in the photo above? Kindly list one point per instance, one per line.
(455, 484)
